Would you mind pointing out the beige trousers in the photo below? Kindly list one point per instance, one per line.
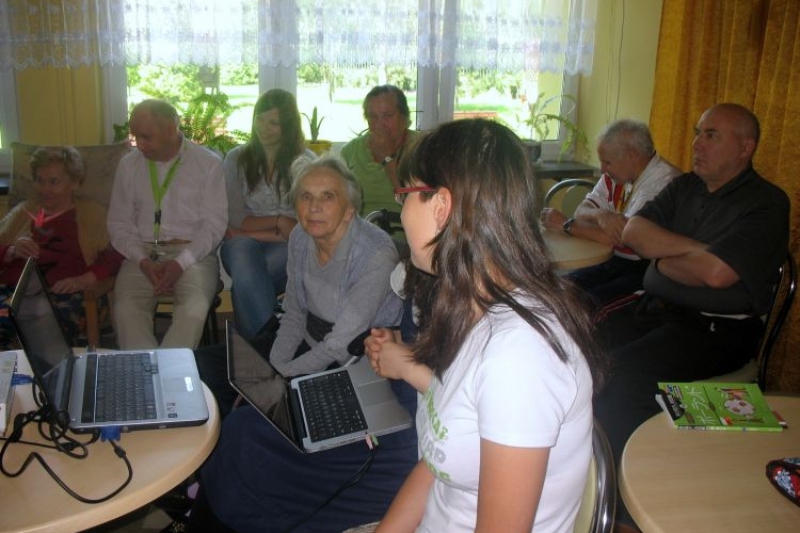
(135, 306)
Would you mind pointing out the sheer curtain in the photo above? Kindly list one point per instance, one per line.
(507, 35)
(60, 33)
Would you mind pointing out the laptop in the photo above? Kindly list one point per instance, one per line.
(168, 391)
(363, 402)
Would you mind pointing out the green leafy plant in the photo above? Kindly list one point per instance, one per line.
(314, 124)
(539, 120)
(204, 120)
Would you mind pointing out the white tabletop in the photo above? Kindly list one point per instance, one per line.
(570, 253)
(161, 459)
(674, 481)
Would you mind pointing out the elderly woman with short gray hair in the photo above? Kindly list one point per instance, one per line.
(338, 288)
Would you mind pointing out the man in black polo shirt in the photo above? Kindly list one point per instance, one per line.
(716, 238)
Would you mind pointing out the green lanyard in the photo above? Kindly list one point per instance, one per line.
(159, 191)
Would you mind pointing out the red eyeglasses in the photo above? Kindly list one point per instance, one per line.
(400, 193)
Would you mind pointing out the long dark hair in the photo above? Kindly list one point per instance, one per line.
(253, 160)
(491, 245)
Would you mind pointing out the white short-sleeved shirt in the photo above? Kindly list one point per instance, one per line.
(506, 385)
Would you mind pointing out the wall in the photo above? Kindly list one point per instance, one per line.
(623, 76)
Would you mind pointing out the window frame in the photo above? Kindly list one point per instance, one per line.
(9, 121)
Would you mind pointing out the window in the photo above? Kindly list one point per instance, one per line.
(453, 57)
(330, 54)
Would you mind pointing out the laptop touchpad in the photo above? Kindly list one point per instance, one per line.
(376, 392)
(176, 385)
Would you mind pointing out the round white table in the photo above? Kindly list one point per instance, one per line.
(570, 253)
(161, 459)
(674, 481)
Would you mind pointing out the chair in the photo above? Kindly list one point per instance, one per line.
(599, 501)
(783, 296)
(571, 192)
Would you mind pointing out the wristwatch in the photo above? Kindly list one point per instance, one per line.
(567, 227)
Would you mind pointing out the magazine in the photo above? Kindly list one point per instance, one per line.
(717, 406)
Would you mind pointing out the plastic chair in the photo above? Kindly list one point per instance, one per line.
(572, 192)
(783, 295)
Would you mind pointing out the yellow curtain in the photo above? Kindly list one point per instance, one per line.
(743, 51)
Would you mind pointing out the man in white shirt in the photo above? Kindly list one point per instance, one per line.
(167, 216)
(633, 174)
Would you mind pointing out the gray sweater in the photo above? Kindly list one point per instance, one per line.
(351, 291)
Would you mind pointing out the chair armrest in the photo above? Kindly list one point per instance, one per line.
(90, 307)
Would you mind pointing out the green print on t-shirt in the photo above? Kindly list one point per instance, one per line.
(439, 431)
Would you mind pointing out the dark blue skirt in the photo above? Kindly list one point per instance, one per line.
(256, 481)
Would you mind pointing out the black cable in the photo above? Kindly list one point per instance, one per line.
(51, 429)
(353, 480)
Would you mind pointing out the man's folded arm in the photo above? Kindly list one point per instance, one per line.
(680, 258)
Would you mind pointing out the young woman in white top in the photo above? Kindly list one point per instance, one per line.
(504, 361)
(260, 216)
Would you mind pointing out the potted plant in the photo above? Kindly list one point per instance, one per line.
(539, 121)
(316, 145)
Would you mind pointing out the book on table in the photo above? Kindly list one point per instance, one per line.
(717, 406)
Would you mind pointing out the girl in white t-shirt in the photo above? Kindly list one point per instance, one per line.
(504, 357)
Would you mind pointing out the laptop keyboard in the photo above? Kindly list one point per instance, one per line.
(124, 390)
(331, 406)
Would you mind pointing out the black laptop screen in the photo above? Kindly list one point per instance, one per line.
(41, 336)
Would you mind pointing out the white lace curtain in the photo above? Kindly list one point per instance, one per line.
(504, 35)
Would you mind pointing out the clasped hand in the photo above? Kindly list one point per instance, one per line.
(387, 353)
(391, 358)
(163, 276)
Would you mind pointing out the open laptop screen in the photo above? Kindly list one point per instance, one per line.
(258, 381)
(41, 336)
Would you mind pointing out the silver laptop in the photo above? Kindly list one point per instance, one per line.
(166, 390)
(362, 402)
